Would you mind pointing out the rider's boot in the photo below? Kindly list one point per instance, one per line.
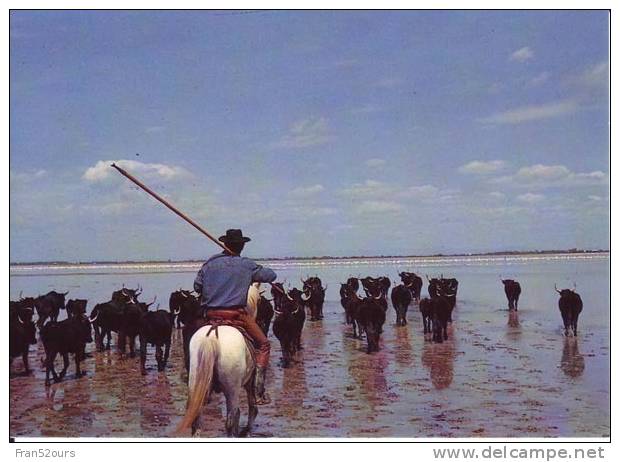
(261, 395)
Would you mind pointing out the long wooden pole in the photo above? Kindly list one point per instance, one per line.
(171, 207)
(133, 179)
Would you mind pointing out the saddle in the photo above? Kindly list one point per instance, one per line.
(249, 343)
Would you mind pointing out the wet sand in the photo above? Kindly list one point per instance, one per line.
(484, 381)
(500, 374)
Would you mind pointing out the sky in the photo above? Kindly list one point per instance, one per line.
(316, 133)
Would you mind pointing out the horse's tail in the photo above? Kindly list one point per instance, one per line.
(200, 378)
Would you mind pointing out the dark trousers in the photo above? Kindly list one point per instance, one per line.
(238, 317)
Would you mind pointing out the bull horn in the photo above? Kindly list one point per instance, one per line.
(574, 285)
(306, 298)
(177, 311)
(427, 278)
(93, 319)
(154, 300)
(20, 294)
(20, 319)
(556, 288)
(65, 294)
(289, 297)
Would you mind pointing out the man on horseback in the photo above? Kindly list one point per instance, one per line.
(223, 282)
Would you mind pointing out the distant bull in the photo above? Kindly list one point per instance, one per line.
(512, 289)
(570, 307)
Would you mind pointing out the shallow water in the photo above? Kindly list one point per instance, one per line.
(498, 375)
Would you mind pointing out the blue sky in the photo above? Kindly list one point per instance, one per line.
(317, 133)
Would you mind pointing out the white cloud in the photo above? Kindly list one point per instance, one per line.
(530, 198)
(533, 112)
(371, 188)
(596, 76)
(102, 171)
(522, 54)
(541, 172)
(154, 129)
(306, 211)
(305, 133)
(24, 177)
(541, 176)
(497, 195)
(376, 162)
(480, 167)
(378, 192)
(308, 190)
(389, 82)
(540, 78)
(426, 191)
(378, 207)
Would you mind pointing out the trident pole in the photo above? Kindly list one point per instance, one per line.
(134, 180)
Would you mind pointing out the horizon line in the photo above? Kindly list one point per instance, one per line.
(324, 257)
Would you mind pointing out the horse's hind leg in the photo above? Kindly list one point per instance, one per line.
(196, 424)
(232, 412)
(252, 407)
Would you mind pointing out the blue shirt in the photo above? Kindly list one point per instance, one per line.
(224, 280)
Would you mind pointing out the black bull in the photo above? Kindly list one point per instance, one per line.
(22, 331)
(401, 298)
(570, 305)
(288, 322)
(49, 306)
(512, 289)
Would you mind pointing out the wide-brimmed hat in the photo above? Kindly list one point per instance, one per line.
(234, 235)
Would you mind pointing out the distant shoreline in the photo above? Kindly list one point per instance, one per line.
(325, 257)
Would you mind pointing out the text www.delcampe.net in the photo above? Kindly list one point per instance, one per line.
(525, 453)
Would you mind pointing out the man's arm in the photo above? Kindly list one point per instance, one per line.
(261, 274)
(198, 282)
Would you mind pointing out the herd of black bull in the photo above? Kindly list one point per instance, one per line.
(130, 318)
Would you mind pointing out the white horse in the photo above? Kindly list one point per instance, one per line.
(224, 355)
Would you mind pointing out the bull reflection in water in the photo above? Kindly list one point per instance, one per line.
(438, 358)
(513, 331)
(368, 372)
(572, 363)
(156, 405)
(402, 348)
(69, 412)
(290, 398)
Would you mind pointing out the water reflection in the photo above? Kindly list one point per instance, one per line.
(290, 398)
(513, 331)
(67, 412)
(156, 404)
(438, 358)
(572, 363)
(402, 346)
(368, 372)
